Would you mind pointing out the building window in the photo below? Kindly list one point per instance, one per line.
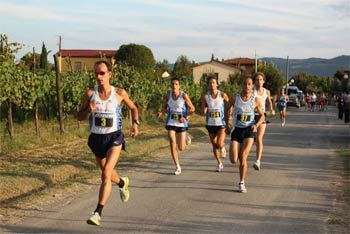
(77, 66)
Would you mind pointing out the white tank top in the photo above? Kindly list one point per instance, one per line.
(106, 118)
(243, 112)
(215, 110)
(262, 98)
(176, 109)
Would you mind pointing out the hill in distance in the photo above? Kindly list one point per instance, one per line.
(313, 66)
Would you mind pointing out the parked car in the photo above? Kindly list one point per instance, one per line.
(293, 100)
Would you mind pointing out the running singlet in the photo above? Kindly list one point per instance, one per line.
(262, 99)
(106, 118)
(282, 102)
(215, 110)
(243, 112)
(176, 110)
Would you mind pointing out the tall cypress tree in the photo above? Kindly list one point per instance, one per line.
(43, 57)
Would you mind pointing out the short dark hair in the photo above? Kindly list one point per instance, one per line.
(259, 74)
(108, 64)
(175, 78)
(212, 78)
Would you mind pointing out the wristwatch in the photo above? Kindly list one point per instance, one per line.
(137, 122)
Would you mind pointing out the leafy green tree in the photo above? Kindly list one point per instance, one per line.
(274, 77)
(139, 57)
(162, 67)
(10, 83)
(183, 69)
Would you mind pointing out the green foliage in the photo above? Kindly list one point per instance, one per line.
(183, 68)
(311, 83)
(43, 58)
(274, 77)
(138, 56)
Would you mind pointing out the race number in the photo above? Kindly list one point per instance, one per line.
(104, 122)
(215, 114)
(243, 118)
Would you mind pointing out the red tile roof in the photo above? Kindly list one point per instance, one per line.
(87, 53)
(241, 61)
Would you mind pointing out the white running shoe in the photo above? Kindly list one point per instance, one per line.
(94, 219)
(124, 192)
(242, 188)
(223, 152)
(220, 167)
(188, 139)
(178, 170)
(256, 166)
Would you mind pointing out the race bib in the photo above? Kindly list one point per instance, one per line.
(215, 114)
(175, 116)
(243, 118)
(104, 122)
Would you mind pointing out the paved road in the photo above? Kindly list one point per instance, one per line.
(292, 193)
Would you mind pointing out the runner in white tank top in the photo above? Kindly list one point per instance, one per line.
(265, 97)
(213, 106)
(106, 139)
(178, 107)
(242, 136)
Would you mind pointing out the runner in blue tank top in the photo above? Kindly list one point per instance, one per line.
(244, 127)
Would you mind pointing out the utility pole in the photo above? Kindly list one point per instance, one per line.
(256, 63)
(287, 70)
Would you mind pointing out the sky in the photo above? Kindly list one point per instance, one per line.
(170, 28)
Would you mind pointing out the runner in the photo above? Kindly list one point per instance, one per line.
(264, 95)
(244, 127)
(103, 104)
(213, 106)
(281, 101)
(179, 107)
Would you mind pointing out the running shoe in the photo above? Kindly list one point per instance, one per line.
(178, 170)
(223, 152)
(94, 219)
(256, 166)
(220, 167)
(242, 188)
(124, 192)
(188, 139)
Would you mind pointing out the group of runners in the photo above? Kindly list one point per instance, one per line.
(315, 101)
(246, 111)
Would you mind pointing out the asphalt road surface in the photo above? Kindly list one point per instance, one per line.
(292, 193)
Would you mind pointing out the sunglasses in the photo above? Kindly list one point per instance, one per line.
(101, 73)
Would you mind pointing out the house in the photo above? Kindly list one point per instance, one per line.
(247, 65)
(221, 70)
(82, 60)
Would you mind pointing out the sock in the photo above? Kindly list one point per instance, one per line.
(241, 182)
(121, 183)
(99, 209)
(258, 161)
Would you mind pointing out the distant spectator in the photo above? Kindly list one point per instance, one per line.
(340, 105)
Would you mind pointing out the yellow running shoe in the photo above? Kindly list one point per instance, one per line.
(124, 192)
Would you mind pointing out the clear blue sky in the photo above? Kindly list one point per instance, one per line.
(170, 28)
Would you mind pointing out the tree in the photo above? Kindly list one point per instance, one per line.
(274, 77)
(43, 58)
(9, 85)
(139, 57)
(183, 69)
